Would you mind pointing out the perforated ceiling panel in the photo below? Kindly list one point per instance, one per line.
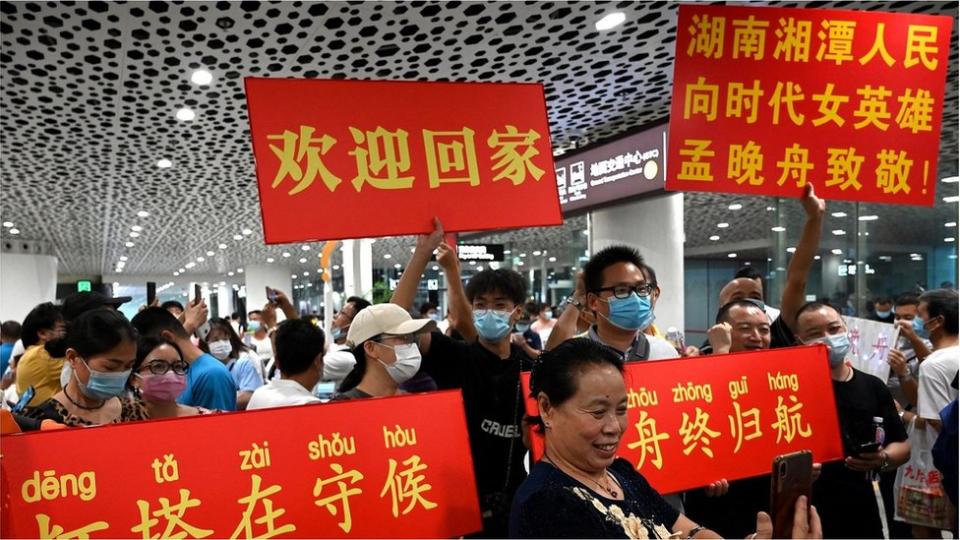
(89, 93)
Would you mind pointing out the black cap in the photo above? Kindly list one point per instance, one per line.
(81, 302)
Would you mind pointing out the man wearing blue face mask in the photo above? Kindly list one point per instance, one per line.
(486, 367)
(844, 491)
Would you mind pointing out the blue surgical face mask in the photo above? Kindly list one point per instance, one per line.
(630, 313)
(337, 333)
(883, 314)
(838, 345)
(492, 325)
(522, 327)
(103, 385)
(919, 328)
(253, 326)
(435, 317)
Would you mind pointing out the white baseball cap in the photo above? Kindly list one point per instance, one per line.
(385, 319)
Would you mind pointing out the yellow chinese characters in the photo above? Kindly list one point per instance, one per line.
(836, 41)
(696, 433)
(707, 33)
(246, 526)
(342, 496)
(701, 98)
(451, 152)
(172, 515)
(916, 111)
(793, 40)
(648, 441)
(381, 156)
(789, 422)
(786, 93)
(48, 531)
(407, 485)
(921, 46)
(843, 168)
(749, 37)
(879, 47)
(740, 98)
(295, 148)
(745, 163)
(514, 152)
(694, 169)
(829, 107)
(744, 425)
(873, 107)
(893, 171)
(795, 165)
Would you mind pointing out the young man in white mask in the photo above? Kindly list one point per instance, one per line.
(383, 338)
(844, 490)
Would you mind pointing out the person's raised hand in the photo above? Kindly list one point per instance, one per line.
(195, 315)
(720, 337)
(433, 240)
(814, 206)
(447, 257)
(718, 488)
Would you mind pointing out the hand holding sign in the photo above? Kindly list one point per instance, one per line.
(814, 206)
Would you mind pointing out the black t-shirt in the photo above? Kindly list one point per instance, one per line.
(494, 410)
(780, 334)
(845, 497)
(551, 504)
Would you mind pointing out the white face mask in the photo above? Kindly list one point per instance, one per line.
(407, 363)
(221, 349)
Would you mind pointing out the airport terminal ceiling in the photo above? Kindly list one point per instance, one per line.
(90, 92)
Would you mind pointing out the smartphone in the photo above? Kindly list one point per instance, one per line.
(272, 296)
(197, 292)
(792, 477)
(151, 292)
(203, 331)
(24, 400)
(868, 448)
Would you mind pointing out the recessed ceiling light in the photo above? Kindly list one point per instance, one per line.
(190, 265)
(950, 224)
(303, 260)
(230, 274)
(269, 259)
(201, 77)
(222, 246)
(182, 270)
(387, 256)
(210, 254)
(523, 255)
(868, 218)
(306, 273)
(305, 248)
(134, 234)
(337, 267)
(123, 257)
(129, 244)
(610, 21)
(552, 259)
(286, 253)
(950, 180)
(136, 228)
(537, 253)
(293, 276)
(778, 229)
(714, 238)
(143, 213)
(164, 163)
(237, 237)
(735, 206)
(771, 209)
(200, 259)
(507, 252)
(247, 232)
(175, 274)
(398, 266)
(839, 232)
(816, 257)
(185, 114)
(239, 270)
(952, 199)
(722, 225)
(839, 214)
(732, 255)
(14, 231)
(8, 224)
(949, 239)
(836, 251)
(791, 250)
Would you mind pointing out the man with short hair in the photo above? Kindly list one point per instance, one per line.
(905, 355)
(37, 368)
(175, 308)
(209, 384)
(845, 493)
(742, 325)
(883, 310)
(299, 357)
(938, 319)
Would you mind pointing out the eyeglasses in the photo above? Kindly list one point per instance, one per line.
(623, 291)
(159, 367)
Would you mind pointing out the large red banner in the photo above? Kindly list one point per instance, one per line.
(354, 159)
(694, 421)
(768, 99)
(376, 468)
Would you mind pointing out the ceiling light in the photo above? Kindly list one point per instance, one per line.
(190, 265)
(134, 234)
(610, 21)
(123, 257)
(201, 77)
(714, 238)
(387, 256)
(337, 267)
(305, 248)
(735, 206)
(816, 257)
(210, 254)
(523, 255)
(507, 252)
(286, 253)
(950, 180)
(778, 229)
(175, 274)
(839, 214)
(722, 225)
(552, 259)
(868, 218)
(143, 213)
(839, 232)
(129, 244)
(536, 253)
(307, 273)
(247, 232)
(185, 114)
(836, 251)
(954, 198)
(230, 274)
(303, 260)
(791, 250)
(164, 163)
(200, 259)
(949, 239)
(269, 259)
(136, 228)
(237, 237)
(239, 270)
(14, 231)
(182, 270)
(293, 276)
(8, 224)
(222, 246)
(398, 266)
(732, 255)
(771, 209)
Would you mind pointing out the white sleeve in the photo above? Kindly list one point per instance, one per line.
(660, 349)
(933, 393)
(337, 364)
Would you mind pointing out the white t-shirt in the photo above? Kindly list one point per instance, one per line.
(263, 347)
(337, 363)
(661, 349)
(936, 376)
(281, 393)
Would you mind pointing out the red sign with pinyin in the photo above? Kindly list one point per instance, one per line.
(355, 159)
(768, 99)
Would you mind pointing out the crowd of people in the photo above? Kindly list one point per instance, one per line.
(83, 363)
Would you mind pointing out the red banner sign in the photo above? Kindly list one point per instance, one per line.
(368, 469)
(767, 99)
(694, 421)
(356, 159)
